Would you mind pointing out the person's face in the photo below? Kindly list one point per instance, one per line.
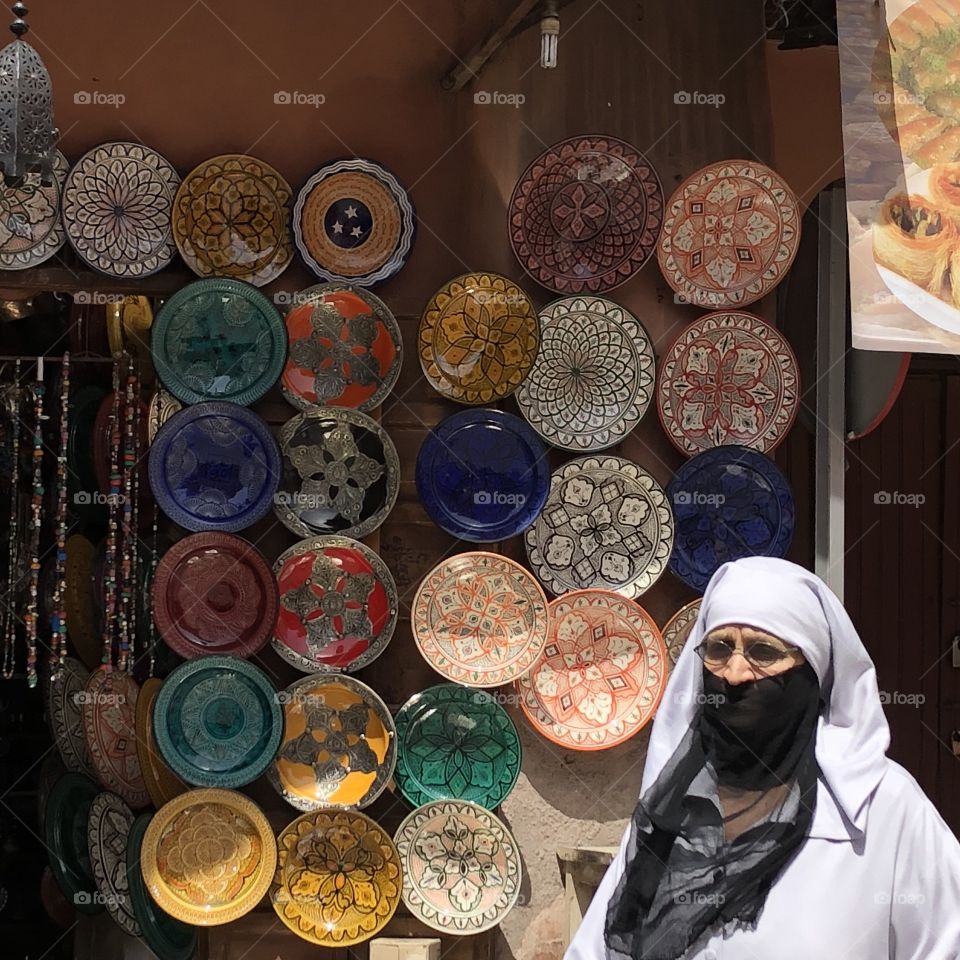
(769, 655)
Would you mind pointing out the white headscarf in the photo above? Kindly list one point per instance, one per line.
(786, 600)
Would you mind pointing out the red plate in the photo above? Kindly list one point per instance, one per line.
(101, 445)
(213, 593)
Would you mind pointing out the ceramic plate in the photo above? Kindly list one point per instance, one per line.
(353, 221)
(65, 833)
(163, 406)
(730, 234)
(60, 910)
(586, 214)
(478, 338)
(169, 939)
(78, 600)
(109, 724)
(454, 743)
(162, 783)
(214, 593)
(480, 619)
(729, 502)
(338, 605)
(339, 744)
(31, 230)
(341, 473)
(231, 218)
(108, 824)
(214, 466)
(678, 628)
(65, 695)
(728, 378)
(345, 348)
(461, 867)
(601, 675)
(593, 378)
(208, 857)
(129, 320)
(482, 475)
(218, 722)
(338, 878)
(607, 523)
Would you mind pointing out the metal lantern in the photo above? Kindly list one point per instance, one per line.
(28, 138)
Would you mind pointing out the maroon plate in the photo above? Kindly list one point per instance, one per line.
(213, 593)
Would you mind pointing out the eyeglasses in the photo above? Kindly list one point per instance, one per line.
(758, 653)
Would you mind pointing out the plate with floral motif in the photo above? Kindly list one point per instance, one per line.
(108, 825)
(461, 867)
(679, 627)
(601, 675)
(338, 880)
(31, 230)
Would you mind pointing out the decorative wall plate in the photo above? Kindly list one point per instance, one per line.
(169, 939)
(218, 722)
(601, 675)
(231, 218)
(214, 593)
(593, 378)
(461, 867)
(208, 857)
(338, 878)
(586, 214)
(101, 441)
(65, 694)
(480, 619)
(78, 599)
(482, 475)
(338, 605)
(729, 502)
(65, 833)
(345, 348)
(454, 743)
(116, 207)
(56, 906)
(353, 221)
(729, 377)
(108, 825)
(214, 466)
(31, 230)
(730, 234)
(678, 628)
(161, 782)
(339, 744)
(478, 338)
(129, 320)
(341, 473)
(109, 725)
(607, 523)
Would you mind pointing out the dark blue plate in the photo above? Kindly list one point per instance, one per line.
(728, 502)
(483, 475)
(214, 466)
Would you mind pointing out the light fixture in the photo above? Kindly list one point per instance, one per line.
(549, 34)
(28, 138)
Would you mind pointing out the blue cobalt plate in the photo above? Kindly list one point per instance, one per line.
(218, 722)
(214, 466)
(483, 475)
(728, 502)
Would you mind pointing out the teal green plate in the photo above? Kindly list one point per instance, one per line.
(456, 743)
(219, 339)
(65, 827)
(168, 938)
(218, 722)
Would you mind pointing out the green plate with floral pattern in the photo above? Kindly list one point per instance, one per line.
(456, 743)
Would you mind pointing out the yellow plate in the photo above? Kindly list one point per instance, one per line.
(208, 856)
(338, 879)
(78, 600)
(162, 783)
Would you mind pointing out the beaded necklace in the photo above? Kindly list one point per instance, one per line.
(58, 620)
(13, 548)
(36, 511)
(113, 503)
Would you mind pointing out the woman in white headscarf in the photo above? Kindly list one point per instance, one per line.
(771, 825)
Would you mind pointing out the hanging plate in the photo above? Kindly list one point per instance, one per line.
(461, 867)
(478, 338)
(108, 825)
(341, 473)
(64, 697)
(586, 214)
(353, 221)
(218, 722)
(163, 406)
(231, 219)
(678, 628)
(31, 230)
(78, 600)
(214, 593)
(161, 782)
(593, 378)
(338, 605)
(730, 234)
(214, 466)
(345, 348)
(607, 523)
(482, 475)
(65, 833)
(480, 619)
(339, 744)
(454, 743)
(601, 675)
(729, 502)
(208, 857)
(56, 906)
